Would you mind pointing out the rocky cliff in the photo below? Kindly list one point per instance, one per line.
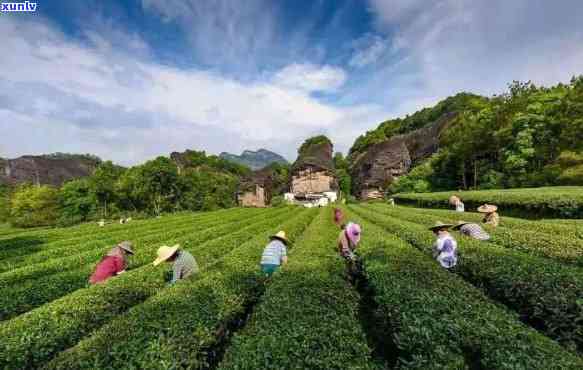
(375, 169)
(313, 170)
(52, 169)
(255, 160)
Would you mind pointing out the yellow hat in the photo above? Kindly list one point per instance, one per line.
(281, 236)
(165, 252)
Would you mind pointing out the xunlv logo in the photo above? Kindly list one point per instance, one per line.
(18, 7)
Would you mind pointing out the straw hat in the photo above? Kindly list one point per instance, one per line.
(165, 252)
(440, 225)
(487, 208)
(460, 224)
(281, 236)
(126, 246)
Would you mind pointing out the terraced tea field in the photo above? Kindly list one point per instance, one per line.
(513, 303)
(555, 201)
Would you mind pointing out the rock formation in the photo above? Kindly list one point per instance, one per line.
(378, 167)
(53, 169)
(256, 190)
(313, 171)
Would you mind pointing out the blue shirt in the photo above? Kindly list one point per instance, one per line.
(273, 253)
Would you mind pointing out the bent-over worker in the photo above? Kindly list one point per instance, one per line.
(455, 201)
(275, 253)
(338, 216)
(445, 246)
(183, 263)
(113, 263)
(491, 217)
(472, 230)
(348, 240)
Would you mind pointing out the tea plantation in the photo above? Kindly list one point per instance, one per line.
(515, 302)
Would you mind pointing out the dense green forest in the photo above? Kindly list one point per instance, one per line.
(157, 186)
(529, 136)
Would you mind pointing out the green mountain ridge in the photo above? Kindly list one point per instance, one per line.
(255, 160)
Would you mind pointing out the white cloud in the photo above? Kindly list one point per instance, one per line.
(479, 46)
(310, 77)
(226, 34)
(68, 97)
(368, 50)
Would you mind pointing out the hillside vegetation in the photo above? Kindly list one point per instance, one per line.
(529, 136)
(191, 181)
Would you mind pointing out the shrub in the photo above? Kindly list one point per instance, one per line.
(560, 247)
(546, 295)
(557, 201)
(441, 322)
(308, 318)
(74, 271)
(33, 338)
(183, 325)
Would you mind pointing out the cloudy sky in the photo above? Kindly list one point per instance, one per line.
(131, 80)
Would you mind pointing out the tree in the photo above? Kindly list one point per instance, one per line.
(77, 201)
(4, 203)
(102, 184)
(159, 183)
(342, 174)
(315, 140)
(207, 190)
(34, 206)
(130, 190)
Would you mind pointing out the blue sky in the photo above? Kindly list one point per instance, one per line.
(131, 80)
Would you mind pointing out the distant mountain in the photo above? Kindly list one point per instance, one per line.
(254, 160)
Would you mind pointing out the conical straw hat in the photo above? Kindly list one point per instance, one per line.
(460, 224)
(281, 236)
(440, 225)
(126, 246)
(487, 208)
(165, 252)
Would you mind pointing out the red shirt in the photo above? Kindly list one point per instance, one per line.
(108, 266)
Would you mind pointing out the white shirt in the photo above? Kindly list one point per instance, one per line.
(459, 207)
(445, 251)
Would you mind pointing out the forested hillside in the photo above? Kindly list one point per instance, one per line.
(529, 136)
(190, 181)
